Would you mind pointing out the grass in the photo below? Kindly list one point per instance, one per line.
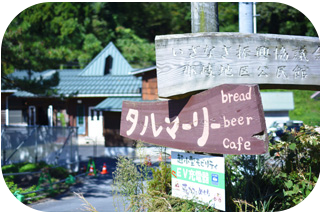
(306, 109)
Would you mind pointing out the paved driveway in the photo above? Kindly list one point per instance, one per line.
(96, 190)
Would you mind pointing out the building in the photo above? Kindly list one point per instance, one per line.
(107, 78)
(91, 99)
(276, 106)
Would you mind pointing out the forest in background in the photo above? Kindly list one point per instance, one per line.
(69, 35)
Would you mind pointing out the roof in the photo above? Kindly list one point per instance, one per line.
(277, 101)
(35, 75)
(98, 86)
(115, 104)
(88, 86)
(120, 65)
(92, 80)
(24, 94)
(143, 70)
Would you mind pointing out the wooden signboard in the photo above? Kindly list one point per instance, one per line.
(227, 119)
(199, 61)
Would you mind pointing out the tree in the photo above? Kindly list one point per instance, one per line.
(277, 18)
(59, 35)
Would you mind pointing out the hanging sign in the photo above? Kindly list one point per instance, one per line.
(227, 119)
(199, 61)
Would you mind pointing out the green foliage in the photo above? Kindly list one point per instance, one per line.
(257, 206)
(91, 47)
(156, 197)
(297, 187)
(271, 182)
(161, 179)
(306, 109)
(129, 180)
(155, 201)
(284, 179)
(249, 179)
(298, 155)
(14, 188)
(277, 18)
(29, 167)
(14, 182)
(60, 35)
(12, 168)
(139, 52)
(59, 172)
(228, 16)
(126, 177)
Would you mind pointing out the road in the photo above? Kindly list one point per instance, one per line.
(96, 190)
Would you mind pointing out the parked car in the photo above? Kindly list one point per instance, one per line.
(294, 124)
(276, 130)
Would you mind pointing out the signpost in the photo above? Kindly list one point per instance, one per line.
(199, 61)
(227, 119)
(199, 177)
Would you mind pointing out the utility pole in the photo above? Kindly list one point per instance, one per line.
(245, 17)
(204, 17)
(255, 17)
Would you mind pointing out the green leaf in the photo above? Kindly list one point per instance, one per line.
(289, 184)
(295, 189)
(283, 175)
(288, 193)
(308, 192)
(292, 146)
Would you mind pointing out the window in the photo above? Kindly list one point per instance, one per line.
(108, 65)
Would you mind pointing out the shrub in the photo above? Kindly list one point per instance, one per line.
(298, 156)
(14, 188)
(29, 167)
(161, 179)
(278, 180)
(275, 181)
(13, 168)
(59, 172)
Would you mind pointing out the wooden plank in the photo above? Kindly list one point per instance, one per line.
(199, 61)
(227, 119)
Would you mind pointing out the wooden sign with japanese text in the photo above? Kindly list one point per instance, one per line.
(227, 119)
(199, 61)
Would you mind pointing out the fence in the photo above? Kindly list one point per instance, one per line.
(53, 145)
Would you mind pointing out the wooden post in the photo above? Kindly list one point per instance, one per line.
(204, 17)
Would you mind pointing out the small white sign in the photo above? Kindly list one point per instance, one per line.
(200, 178)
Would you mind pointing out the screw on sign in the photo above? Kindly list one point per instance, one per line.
(227, 119)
